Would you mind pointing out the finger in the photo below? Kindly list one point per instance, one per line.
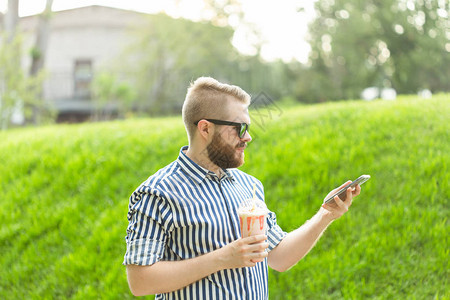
(349, 192)
(251, 263)
(345, 183)
(255, 239)
(341, 186)
(260, 247)
(257, 260)
(357, 191)
(340, 203)
(331, 207)
(349, 199)
(259, 257)
(326, 206)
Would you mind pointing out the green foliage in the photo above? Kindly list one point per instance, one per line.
(64, 195)
(17, 90)
(169, 52)
(388, 43)
(107, 91)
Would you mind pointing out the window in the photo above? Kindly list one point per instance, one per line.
(82, 79)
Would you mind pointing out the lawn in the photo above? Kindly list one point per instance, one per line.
(64, 194)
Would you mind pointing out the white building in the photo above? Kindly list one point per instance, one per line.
(81, 41)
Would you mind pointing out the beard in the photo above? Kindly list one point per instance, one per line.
(225, 155)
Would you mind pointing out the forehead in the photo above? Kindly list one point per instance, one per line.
(237, 111)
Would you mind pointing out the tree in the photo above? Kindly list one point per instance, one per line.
(168, 53)
(42, 35)
(39, 51)
(385, 43)
(11, 19)
(108, 91)
(18, 92)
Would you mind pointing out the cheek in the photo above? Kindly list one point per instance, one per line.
(230, 137)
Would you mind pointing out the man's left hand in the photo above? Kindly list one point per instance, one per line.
(337, 208)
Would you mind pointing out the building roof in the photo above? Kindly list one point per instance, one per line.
(87, 16)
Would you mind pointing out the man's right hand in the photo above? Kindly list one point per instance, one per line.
(244, 252)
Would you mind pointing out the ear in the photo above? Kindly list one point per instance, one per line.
(205, 129)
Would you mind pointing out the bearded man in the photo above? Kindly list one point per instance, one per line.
(183, 238)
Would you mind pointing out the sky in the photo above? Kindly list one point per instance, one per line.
(282, 27)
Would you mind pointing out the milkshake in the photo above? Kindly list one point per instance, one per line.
(252, 217)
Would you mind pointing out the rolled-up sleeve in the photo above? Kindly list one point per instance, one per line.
(274, 232)
(147, 229)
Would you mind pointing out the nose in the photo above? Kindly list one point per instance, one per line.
(247, 137)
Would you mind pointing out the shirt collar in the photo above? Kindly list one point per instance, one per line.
(197, 172)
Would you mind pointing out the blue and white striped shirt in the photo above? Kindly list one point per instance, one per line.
(185, 210)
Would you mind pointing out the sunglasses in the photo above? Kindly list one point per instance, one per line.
(241, 128)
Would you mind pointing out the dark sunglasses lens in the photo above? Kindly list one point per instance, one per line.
(243, 129)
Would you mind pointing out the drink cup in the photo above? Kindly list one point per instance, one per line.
(252, 217)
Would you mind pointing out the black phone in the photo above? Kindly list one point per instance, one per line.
(342, 192)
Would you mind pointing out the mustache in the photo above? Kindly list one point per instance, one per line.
(241, 145)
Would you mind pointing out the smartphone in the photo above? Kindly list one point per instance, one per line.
(342, 192)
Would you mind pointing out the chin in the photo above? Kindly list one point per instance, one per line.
(241, 161)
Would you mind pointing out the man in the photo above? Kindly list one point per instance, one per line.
(183, 238)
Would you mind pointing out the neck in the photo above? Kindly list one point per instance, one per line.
(201, 158)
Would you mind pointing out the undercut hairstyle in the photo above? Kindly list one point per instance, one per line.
(207, 98)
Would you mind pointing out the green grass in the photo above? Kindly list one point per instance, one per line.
(64, 194)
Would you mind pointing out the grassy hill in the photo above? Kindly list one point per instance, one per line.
(64, 194)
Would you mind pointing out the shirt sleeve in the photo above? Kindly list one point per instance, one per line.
(147, 231)
(274, 232)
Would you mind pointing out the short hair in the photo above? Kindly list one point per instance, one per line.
(206, 98)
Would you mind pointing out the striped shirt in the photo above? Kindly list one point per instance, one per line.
(185, 210)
